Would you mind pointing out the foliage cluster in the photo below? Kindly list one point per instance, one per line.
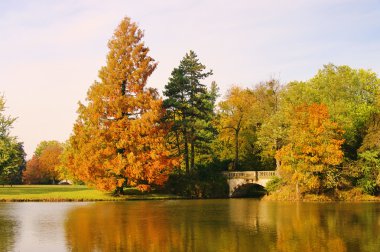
(202, 182)
(12, 155)
(44, 167)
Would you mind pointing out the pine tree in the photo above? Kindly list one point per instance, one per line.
(189, 106)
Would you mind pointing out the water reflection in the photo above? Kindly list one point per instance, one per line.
(189, 225)
(8, 227)
(223, 225)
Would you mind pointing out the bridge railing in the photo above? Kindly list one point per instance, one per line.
(243, 175)
(250, 175)
(266, 174)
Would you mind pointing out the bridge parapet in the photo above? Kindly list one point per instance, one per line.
(266, 174)
(250, 174)
(242, 175)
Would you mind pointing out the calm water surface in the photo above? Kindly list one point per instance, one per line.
(190, 225)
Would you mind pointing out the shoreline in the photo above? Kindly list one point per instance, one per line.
(90, 200)
(75, 193)
(164, 197)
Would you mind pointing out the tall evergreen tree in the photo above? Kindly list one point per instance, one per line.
(118, 139)
(189, 105)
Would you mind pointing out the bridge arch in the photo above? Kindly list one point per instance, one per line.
(249, 190)
(236, 179)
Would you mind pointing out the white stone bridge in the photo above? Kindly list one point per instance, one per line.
(237, 179)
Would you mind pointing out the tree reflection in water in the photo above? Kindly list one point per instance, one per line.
(8, 226)
(222, 225)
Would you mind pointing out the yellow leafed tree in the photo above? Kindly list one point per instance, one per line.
(235, 115)
(310, 159)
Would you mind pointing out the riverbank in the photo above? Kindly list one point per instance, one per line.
(61, 193)
(287, 193)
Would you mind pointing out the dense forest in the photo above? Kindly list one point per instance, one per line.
(321, 135)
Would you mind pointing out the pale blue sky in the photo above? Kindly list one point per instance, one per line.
(51, 51)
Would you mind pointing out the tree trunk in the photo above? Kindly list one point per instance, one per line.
(236, 150)
(277, 164)
(118, 191)
(192, 147)
(186, 151)
(177, 143)
(297, 191)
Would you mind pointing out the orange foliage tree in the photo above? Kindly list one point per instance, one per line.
(43, 167)
(310, 159)
(118, 138)
(32, 174)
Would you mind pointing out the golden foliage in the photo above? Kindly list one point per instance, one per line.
(313, 150)
(118, 139)
(43, 167)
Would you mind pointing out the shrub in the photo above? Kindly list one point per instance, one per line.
(204, 182)
(368, 185)
(274, 184)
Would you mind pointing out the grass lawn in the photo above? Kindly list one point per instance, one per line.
(68, 193)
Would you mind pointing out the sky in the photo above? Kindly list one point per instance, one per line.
(51, 51)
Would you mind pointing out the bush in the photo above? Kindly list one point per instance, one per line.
(368, 172)
(274, 184)
(204, 182)
(368, 185)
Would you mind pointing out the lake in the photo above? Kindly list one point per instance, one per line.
(190, 225)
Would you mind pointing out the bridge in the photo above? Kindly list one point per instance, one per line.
(237, 179)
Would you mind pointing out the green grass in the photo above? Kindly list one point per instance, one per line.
(68, 193)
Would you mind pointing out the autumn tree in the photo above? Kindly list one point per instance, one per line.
(235, 116)
(33, 174)
(189, 108)
(313, 151)
(118, 138)
(12, 154)
(43, 167)
(243, 121)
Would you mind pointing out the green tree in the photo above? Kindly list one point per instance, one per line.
(365, 172)
(350, 95)
(189, 108)
(12, 155)
(368, 167)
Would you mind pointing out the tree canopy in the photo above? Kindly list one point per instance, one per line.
(189, 109)
(12, 155)
(118, 139)
(44, 166)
